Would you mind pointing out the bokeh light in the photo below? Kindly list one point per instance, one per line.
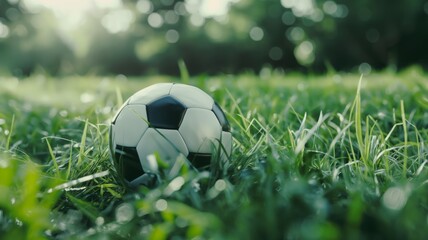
(304, 53)
(100, 35)
(295, 34)
(171, 17)
(372, 35)
(144, 6)
(172, 36)
(208, 8)
(256, 33)
(288, 18)
(155, 20)
(275, 53)
(118, 20)
(300, 8)
(4, 30)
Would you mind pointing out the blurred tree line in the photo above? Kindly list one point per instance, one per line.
(211, 36)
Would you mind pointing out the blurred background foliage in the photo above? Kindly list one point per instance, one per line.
(211, 36)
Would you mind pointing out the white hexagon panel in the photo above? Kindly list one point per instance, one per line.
(192, 97)
(130, 125)
(151, 93)
(200, 128)
(119, 111)
(167, 143)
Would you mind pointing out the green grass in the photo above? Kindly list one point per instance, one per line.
(314, 157)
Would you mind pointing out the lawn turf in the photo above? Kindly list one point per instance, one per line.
(314, 157)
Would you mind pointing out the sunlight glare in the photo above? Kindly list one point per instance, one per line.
(70, 7)
(71, 12)
(209, 8)
(118, 20)
(300, 8)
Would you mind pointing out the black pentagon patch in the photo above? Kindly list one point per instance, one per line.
(221, 117)
(200, 160)
(166, 113)
(128, 162)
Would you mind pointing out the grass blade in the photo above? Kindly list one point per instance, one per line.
(51, 153)
(83, 143)
(9, 137)
(85, 207)
(405, 156)
(184, 73)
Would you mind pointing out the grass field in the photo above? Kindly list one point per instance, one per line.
(314, 157)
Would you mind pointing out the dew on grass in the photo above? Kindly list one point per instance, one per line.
(105, 110)
(62, 225)
(146, 230)
(19, 222)
(48, 233)
(394, 198)
(87, 98)
(91, 231)
(63, 113)
(73, 217)
(99, 221)
(121, 78)
(196, 186)
(124, 213)
(4, 163)
(220, 185)
(337, 78)
(174, 185)
(381, 115)
(161, 205)
(301, 87)
(181, 222)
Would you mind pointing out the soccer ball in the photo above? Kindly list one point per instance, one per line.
(169, 120)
